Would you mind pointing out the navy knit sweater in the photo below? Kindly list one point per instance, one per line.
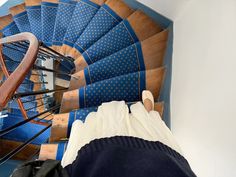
(128, 157)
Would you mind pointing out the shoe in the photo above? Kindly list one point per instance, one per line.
(146, 94)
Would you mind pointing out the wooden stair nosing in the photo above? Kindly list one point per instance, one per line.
(17, 9)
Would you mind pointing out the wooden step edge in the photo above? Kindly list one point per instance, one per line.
(143, 26)
(52, 151)
(62, 82)
(15, 10)
(120, 8)
(98, 2)
(48, 151)
(59, 129)
(51, 1)
(159, 107)
(33, 2)
(5, 21)
(36, 87)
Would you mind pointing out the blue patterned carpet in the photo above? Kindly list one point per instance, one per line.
(107, 42)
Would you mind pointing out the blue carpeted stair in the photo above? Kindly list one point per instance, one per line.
(119, 37)
(13, 58)
(66, 67)
(108, 43)
(83, 13)
(34, 16)
(63, 18)
(25, 131)
(127, 87)
(48, 14)
(104, 20)
(10, 29)
(61, 149)
(123, 62)
(22, 22)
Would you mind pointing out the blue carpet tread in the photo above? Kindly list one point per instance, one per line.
(28, 105)
(22, 22)
(65, 67)
(11, 54)
(137, 27)
(17, 112)
(11, 29)
(10, 65)
(61, 150)
(25, 131)
(118, 38)
(34, 16)
(126, 87)
(83, 13)
(144, 55)
(126, 61)
(20, 17)
(63, 18)
(7, 26)
(28, 84)
(48, 12)
(102, 22)
(105, 19)
(23, 89)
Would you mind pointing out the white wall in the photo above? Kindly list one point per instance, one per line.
(50, 75)
(203, 97)
(204, 86)
(168, 8)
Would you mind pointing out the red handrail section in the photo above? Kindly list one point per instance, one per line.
(14, 80)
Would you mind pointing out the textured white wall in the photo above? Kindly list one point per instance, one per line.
(168, 8)
(204, 86)
(203, 96)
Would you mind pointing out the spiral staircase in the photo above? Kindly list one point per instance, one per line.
(100, 51)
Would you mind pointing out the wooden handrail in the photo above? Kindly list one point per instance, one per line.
(14, 80)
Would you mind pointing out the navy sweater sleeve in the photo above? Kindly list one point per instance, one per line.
(128, 157)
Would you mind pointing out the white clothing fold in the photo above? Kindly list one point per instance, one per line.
(113, 119)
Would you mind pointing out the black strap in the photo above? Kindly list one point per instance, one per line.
(47, 167)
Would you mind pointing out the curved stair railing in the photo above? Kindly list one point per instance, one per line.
(14, 80)
(35, 50)
(33, 53)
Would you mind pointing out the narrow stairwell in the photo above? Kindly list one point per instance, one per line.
(106, 51)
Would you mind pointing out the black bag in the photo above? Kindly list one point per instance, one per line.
(39, 168)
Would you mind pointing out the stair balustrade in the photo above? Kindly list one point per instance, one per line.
(24, 83)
